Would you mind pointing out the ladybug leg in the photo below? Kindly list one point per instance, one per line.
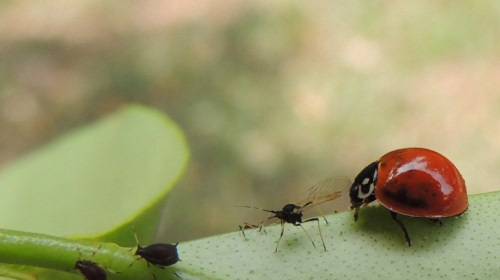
(402, 226)
(437, 221)
(356, 214)
(319, 229)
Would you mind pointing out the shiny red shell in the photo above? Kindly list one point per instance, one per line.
(421, 183)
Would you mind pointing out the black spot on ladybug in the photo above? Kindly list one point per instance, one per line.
(383, 164)
(401, 196)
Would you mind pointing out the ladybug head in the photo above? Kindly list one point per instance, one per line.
(362, 189)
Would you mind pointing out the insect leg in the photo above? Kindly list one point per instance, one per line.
(246, 226)
(281, 235)
(402, 226)
(261, 225)
(437, 221)
(322, 215)
(152, 273)
(356, 214)
(307, 204)
(319, 229)
(307, 234)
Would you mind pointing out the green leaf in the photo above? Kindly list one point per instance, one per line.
(98, 180)
(465, 247)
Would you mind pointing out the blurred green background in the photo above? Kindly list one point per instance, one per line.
(272, 95)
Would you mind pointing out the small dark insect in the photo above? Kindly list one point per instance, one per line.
(158, 254)
(89, 269)
(292, 213)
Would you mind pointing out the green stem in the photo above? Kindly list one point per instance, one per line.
(44, 251)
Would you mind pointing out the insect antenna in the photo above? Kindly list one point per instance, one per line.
(138, 244)
(135, 235)
(246, 225)
(80, 255)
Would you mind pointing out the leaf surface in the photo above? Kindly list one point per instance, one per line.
(465, 247)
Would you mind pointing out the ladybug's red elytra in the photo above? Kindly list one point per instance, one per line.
(414, 182)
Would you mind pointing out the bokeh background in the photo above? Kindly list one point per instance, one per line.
(272, 95)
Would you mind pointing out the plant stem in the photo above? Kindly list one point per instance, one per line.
(45, 251)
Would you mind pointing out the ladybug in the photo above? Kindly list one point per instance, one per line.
(415, 182)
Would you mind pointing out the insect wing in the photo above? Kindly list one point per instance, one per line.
(328, 189)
